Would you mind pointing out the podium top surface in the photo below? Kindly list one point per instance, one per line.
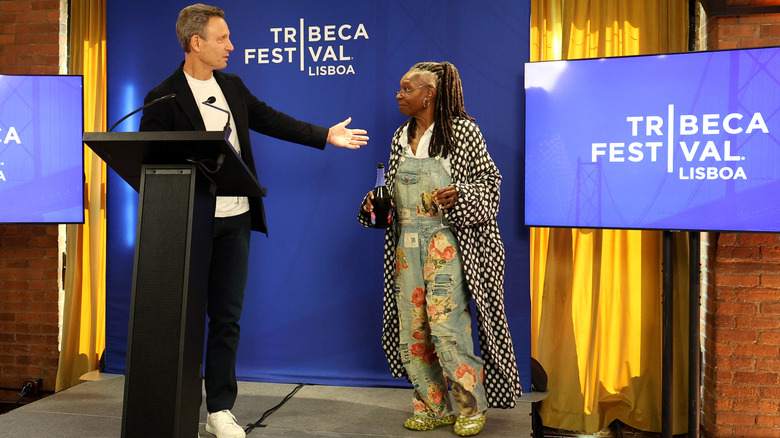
(127, 152)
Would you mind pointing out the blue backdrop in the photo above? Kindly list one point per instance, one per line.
(313, 303)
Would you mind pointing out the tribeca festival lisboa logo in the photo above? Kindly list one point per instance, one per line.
(10, 136)
(704, 156)
(318, 50)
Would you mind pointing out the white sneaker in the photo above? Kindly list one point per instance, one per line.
(223, 425)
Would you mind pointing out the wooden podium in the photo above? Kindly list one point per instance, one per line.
(178, 176)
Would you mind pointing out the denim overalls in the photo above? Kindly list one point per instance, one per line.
(432, 299)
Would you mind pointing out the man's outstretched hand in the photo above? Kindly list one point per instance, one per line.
(339, 135)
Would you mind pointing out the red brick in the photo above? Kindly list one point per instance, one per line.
(25, 229)
(31, 253)
(43, 307)
(757, 322)
(736, 280)
(723, 349)
(21, 274)
(14, 263)
(760, 18)
(735, 308)
(727, 238)
(725, 255)
(751, 43)
(754, 432)
(724, 376)
(758, 238)
(17, 295)
(17, 307)
(736, 363)
(42, 295)
(756, 378)
(768, 364)
(18, 6)
(737, 391)
(37, 318)
(40, 53)
(723, 404)
(769, 280)
(770, 393)
(736, 419)
(745, 253)
(42, 70)
(756, 406)
(45, 264)
(738, 336)
(770, 308)
(772, 421)
(44, 241)
(770, 253)
(757, 350)
(15, 241)
(725, 293)
(45, 5)
(772, 337)
(757, 294)
(43, 284)
(723, 321)
(33, 17)
(757, 266)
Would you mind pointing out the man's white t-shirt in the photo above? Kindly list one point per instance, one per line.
(214, 120)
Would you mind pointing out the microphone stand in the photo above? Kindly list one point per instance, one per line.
(166, 97)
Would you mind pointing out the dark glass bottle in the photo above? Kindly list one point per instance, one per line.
(383, 211)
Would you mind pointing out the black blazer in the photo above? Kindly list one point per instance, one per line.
(181, 114)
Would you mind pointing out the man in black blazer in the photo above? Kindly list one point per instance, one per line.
(203, 98)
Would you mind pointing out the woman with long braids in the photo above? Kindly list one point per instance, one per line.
(442, 250)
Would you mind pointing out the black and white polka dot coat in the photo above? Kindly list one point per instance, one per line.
(473, 219)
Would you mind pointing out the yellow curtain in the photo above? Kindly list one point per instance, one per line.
(596, 305)
(83, 331)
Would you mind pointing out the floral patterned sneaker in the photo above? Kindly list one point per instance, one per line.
(417, 422)
(467, 426)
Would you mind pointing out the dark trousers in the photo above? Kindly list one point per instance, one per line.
(227, 282)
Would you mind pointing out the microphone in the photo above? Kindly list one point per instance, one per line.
(159, 99)
(212, 99)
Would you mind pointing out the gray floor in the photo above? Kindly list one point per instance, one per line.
(93, 409)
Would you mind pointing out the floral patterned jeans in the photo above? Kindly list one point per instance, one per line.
(433, 303)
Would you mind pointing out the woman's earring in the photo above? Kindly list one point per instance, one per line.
(425, 103)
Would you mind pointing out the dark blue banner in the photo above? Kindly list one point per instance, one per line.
(313, 308)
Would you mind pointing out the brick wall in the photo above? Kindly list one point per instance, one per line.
(741, 289)
(741, 383)
(29, 269)
(32, 41)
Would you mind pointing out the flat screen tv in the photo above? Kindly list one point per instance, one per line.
(687, 141)
(41, 152)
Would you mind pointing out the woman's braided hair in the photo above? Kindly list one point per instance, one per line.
(449, 105)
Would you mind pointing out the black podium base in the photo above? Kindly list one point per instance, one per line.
(168, 310)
